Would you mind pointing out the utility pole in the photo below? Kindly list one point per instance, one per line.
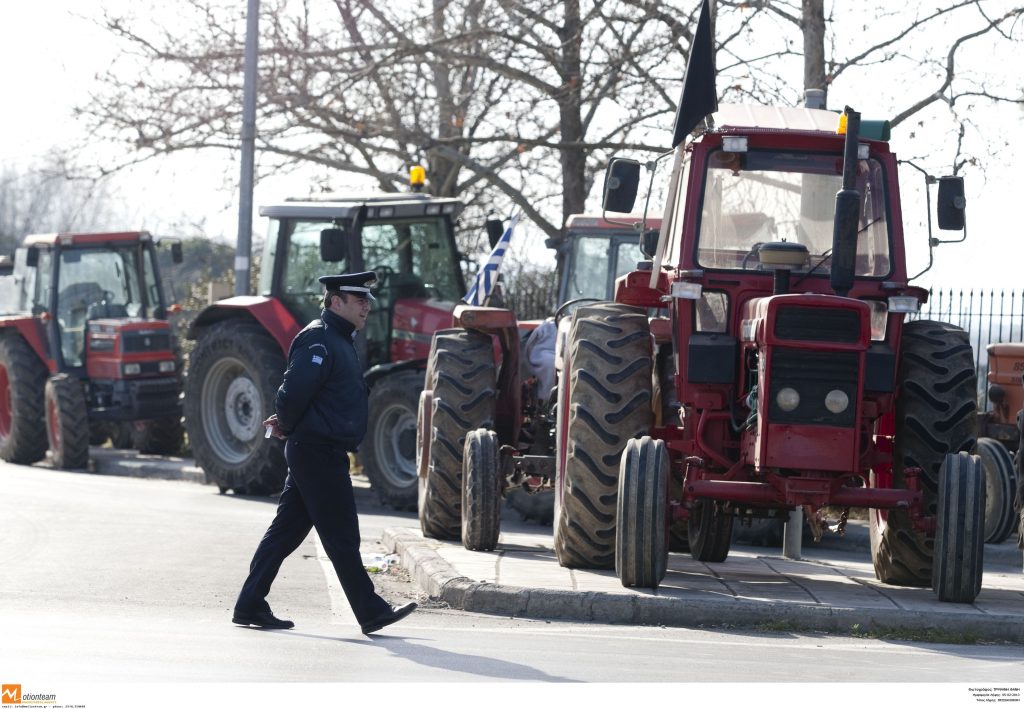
(243, 250)
(793, 532)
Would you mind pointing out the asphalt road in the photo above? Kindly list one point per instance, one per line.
(111, 579)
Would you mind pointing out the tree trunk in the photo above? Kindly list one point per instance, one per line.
(443, 172)
(813, 27)
(573, 158)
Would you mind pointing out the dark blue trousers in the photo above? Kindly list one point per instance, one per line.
(317, 493)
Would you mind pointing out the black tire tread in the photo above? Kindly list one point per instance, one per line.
(935, 415)
(610, 389)
(959, 535)
(69, 444)
(462, 373)
(641, 535)
(27, 442)
(481, 491)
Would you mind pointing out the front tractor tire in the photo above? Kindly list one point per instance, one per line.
(959, 529)
(935, 415)
(67, 424)
(481, 491)
(22, 380)
(234, 373)
(461, 379)
(388, 453)
(641, 538)
(604, 401)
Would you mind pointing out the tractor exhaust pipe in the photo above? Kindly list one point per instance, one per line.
(844, 233)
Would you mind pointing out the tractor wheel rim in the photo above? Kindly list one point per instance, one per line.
(242, 409)
(395, 444)
(231, 411)
(53, 432)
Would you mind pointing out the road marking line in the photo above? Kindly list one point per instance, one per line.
(341, 613)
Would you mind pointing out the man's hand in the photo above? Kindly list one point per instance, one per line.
(275, 429)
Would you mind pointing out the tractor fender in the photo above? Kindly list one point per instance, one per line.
(377, 372)
(269, 313)
(31, 330)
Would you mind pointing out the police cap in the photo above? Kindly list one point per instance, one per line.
(358, 283)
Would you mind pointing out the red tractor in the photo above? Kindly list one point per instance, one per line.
(491, 382)
(242, 342)
(781, 375)
(85, 346)
(999, 439)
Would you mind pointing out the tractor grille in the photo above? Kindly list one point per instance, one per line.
(818, 324)
(813, 375)
(145, 342)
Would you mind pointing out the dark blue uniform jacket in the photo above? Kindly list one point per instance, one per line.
(323, 398)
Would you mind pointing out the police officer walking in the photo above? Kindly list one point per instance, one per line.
(322, 413)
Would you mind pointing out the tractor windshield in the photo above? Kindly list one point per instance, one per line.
(772, 196)
(102, 282)
(596, 261)
(413, 258)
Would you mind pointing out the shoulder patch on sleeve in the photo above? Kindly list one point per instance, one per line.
(317, 359)
(318, 344)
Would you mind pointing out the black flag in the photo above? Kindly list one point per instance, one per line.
(699, 94)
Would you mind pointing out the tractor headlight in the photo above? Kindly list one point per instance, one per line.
(788, 398)
(132, 368)
(836, 401)
(167, 366)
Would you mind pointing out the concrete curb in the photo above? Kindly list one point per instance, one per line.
(441, 581)
(105, 461)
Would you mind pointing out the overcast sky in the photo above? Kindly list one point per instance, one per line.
(51, 51)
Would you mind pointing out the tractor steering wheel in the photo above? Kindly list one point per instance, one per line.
(569, 305)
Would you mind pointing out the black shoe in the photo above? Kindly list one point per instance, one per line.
(261, 619)
(393, 615)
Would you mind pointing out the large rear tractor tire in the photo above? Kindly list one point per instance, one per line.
(959, 531)
(641, 534)
(461, 379)
(481, 491)
(388, 452)
(67, 424)
(22, 380)
(1000, 488)
(234, 373)
(164, 436)
(935, 414)
(710, 531)
(604, 401)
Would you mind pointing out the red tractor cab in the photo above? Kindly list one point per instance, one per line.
(85, 339)
(242, 342)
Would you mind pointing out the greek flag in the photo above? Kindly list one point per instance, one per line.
(485, 279)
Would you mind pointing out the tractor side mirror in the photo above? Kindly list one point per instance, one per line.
(333, 245)
(32, 257)
(495, 228)
(952, 203)
(649, 242)
(621, 182)
(177, 256)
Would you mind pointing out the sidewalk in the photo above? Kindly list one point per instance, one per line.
(832, 589)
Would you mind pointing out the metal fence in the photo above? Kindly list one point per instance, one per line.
(989, 316)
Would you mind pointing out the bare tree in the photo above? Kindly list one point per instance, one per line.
(42, 199)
